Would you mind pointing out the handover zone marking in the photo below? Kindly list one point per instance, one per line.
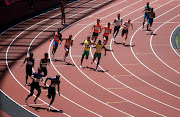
(116, 102)
(117, 88)
(122, 75)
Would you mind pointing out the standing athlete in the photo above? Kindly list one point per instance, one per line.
(43, 63)
(151, 16)
(29, 65)
(51, 89)
(146, 11)
(35, 84)
(117, 23)
(97, 30)
(126, 25)
(63, 13)
(107, 31)
(87, 43)
(68, 44)
(97, 53)
(56, 38)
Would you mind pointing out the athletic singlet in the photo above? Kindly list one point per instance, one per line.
(147, 9)
(37, 77)
(99, 48)
(151, 14)
(30, 61)
(57, 37)
(117, 22)
(127, 25)
(97, 28)
(87, 45)
(44, 62)
(54, 82)
(68, 43)
(107, 31)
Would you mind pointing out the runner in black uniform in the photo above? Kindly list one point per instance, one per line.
(29, 65)
(35, 84)
(151, 16)
(43, 63)
(51, 90)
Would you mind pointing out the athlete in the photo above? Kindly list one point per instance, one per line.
(151, 16)
(29, 65)
(146, 11)
(97, 53)
(51, 89)
(43, 64)
(56, 39)
(35, 84)
(87, 43)
(117, 23)
(63, 13)
(97, 30)
(126, 25)
(68, 44)
(107, 31)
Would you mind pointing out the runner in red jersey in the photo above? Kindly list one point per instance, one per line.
(68, 44)
(107, 31)
(97, 30)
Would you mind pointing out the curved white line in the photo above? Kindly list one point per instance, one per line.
(143, 94)
(149, 68)
(171, 42)
(155, 52)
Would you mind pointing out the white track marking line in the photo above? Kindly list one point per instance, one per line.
(33, 104)
(71, 56)
(112, 77)
(51, 61)
(18, 103)
(98, 84)
(143, 63)
(13, 75)
(153, 49)
(171, 42)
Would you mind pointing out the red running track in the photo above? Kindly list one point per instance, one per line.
(137, 82)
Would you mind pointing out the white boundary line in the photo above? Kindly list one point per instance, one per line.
(145, 65)
(112, 77)
(18, 103)
(16, 38)
(153, 49)
(171, 42)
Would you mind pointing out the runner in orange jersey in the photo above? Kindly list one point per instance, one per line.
(97, 30)
(107, 31)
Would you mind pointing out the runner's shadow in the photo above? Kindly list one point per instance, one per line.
(129, 45)
(152, 34)
(57, 60)
(92, 69)
(41, 108)
(70, 64)
(118, 43)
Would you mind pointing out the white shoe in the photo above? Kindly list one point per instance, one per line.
(80, 66)
(35, 102)
(49, 108)
(96, 69)
(26, 100)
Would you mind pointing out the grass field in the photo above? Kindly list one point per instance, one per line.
(178, 40)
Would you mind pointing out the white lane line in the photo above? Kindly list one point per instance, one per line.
(33, 104)
(97, 83)
(13, 75)
(71, 56)
(51, 61)
(153, 49)
(144, 64)
(18, 103)
(171, 42)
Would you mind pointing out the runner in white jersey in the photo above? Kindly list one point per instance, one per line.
(126, 25)
(117, 23)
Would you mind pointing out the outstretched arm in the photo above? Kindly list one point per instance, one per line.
(132, 26)
(46, 81)
(58, 89)
(24, 61)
